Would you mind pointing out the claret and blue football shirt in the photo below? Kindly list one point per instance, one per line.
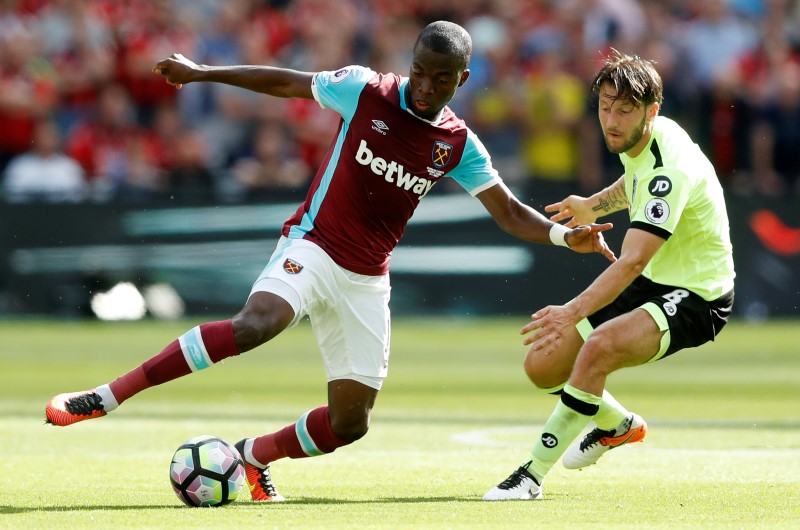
(383, 161)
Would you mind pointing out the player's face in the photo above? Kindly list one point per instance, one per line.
(626, 125)
(433, 81)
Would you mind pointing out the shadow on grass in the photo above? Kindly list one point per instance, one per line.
(9, 510)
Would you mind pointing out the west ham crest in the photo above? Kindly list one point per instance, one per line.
(292, 267)
(441, 153)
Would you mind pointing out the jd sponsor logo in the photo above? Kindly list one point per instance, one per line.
(549, 440)
(660, 187)
(392, 171)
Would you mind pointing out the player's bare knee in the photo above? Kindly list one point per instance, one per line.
(350, 429)
(597, 354)
(543, 375)
(245, 332)
(251, 329)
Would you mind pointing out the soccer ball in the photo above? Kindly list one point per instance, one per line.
(206, 471)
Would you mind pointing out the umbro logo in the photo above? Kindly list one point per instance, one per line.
(378, 125)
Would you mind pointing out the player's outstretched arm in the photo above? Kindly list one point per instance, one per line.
(279, 82)
(585, 211)
(526, 223)
(550, 323)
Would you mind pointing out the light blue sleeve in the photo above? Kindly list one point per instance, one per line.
(475, 172)
(339, 90)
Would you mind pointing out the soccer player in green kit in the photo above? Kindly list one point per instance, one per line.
(670, 289)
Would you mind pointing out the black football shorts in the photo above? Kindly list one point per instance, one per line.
(684, 316)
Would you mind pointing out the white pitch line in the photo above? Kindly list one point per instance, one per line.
(483, 437)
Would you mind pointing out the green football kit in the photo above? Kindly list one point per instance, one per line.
(687, 287)
(674, 193)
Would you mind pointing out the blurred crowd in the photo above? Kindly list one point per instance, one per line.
(82, 118)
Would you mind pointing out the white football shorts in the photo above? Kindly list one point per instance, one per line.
(349, 312)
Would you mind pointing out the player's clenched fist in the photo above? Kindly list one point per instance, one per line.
(177, 70)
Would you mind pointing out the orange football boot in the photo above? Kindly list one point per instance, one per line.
(69, 408)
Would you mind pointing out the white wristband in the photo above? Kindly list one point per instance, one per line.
(558, 235)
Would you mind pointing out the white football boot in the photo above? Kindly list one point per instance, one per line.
(520, 486)
(597, 442)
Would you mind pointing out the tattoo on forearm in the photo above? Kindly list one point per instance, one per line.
(612, 201)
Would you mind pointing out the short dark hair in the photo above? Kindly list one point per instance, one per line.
(635, 79)
(447, 38)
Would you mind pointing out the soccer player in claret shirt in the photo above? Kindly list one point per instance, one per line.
(396, 139)
(670, 289)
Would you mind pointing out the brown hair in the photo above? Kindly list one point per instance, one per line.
(635, 79)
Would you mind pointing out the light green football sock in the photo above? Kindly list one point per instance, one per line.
(610, 414)
(572, 413)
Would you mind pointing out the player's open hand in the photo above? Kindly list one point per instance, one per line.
(177, 70)
(550, 325)
(585, 239)
(574, 208)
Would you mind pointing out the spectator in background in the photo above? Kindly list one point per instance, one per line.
(315, 48)
(389, 48)
(79, 41)
(182, 153)
(149, 30)
(189, 178)
(223, 114)
(553, 104)
(117, 154)
(27, 86)
(44, 173)
(492, 98)
(713, 40)
(711, 43)
(271, 164)
(57, 55)
(620, 23)
(776, 137)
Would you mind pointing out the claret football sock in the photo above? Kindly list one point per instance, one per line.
(198, 348)
(312, 435)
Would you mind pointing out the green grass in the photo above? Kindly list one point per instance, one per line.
(455, 417)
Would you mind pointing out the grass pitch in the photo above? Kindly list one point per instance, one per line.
(455, 417)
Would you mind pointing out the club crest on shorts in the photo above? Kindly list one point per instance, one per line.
(292, 267)
(441, 153)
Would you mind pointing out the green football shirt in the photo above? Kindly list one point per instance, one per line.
(673, 192)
